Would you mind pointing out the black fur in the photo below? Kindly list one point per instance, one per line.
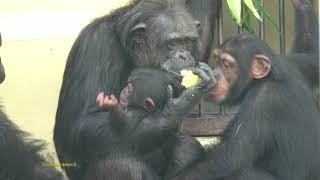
(20, 157)
(103, 56)
(304, 53)
(134, 136)
(275, 133)
(206, 12)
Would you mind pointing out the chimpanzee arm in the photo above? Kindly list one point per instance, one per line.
(243, 142)
(176, 109)
(206, 12)
(183, 151)
(116, 114)
(308, 65)
(150, 133)
(119, 118)
(306, 28)
(98, 131)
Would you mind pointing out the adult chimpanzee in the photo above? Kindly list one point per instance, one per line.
(140, 34)
(140, 131)
(276, 132)
(206, 12)
(20, 157)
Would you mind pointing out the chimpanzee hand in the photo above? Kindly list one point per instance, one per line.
(302, 5)
(208, 81)
(177, 108)
(106, 102)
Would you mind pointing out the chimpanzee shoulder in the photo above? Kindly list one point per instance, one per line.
(21, 156)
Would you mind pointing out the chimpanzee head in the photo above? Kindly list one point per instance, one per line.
(242, 62)
(177, 61)
(152, 28)
(146, 89)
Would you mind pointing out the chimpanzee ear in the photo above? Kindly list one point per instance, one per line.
(261, 66)
(149, 104)
(139, 27)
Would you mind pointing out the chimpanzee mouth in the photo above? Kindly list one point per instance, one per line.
(124, 102)
(178, 60)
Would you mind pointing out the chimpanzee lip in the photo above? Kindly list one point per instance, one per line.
(214, 92)
(123, 102)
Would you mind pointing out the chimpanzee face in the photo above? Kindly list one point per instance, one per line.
(233, 78)
(126, 95)
(130, 97)
(226, 72)
(165, 30)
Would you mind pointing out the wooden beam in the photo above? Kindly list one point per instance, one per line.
(206, 125)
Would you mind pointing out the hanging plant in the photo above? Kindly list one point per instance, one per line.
(243, 10)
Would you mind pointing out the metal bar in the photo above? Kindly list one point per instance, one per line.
(220, 23)
(261, 23)
(208, 125)
(200, 108)
(239, 29)
(282, 27)
(220, 39)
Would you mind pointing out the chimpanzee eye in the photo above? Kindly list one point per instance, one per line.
(225, 64)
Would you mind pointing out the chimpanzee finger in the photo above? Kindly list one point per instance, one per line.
(301, 5)
(100, 96)
(100, 99)
(200, 72)
(106, 101)
(170, 93)
(113, 99)
(207, 69)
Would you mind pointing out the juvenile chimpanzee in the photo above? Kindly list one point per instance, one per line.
(139, 130)
(276, 132)
(20, 157)
(140, 34)
(133, 120)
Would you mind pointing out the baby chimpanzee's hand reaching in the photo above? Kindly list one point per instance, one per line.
(106, 102)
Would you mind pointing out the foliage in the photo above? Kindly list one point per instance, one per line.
(243, 10)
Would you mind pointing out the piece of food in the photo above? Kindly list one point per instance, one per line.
(189, 79)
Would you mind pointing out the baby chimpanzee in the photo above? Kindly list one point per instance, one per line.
(146, 92)
(142, 133)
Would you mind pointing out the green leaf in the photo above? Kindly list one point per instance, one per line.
(250, 5)
(247, 20)
(235, 9)
(266, 15)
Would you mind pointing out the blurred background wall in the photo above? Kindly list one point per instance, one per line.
(37, 36)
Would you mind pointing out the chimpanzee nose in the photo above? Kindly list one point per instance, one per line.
(216, 73)
(182, 55)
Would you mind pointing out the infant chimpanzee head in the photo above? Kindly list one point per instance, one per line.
(147, 88)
